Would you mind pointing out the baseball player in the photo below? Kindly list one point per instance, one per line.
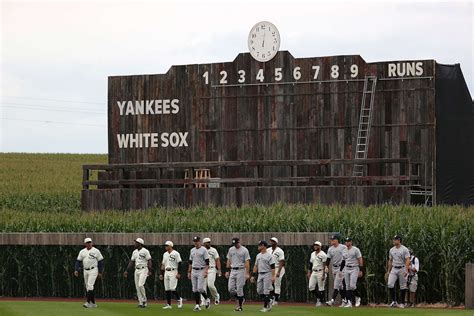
(170, 267)
(398, 267)
(92, 263)
(214, 270)
(238, 262)
(317, 271)
(413, 277)
(265, 269)
(197, 272)
(351, 265)
(279, 256)
(335, 259)
(141, 260)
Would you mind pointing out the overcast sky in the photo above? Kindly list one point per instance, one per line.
(56, 56)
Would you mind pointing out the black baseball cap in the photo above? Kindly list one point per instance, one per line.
(196, 238)
(235, 240)
(348, 238)
(336, 236)
(263, 243)
(397, 237)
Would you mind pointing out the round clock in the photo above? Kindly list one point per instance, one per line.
(264, 41)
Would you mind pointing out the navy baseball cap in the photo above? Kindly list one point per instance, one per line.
(263, 243)
(196, 238)
(333, 237)
(235, 240)
(348, 238)
(397, 237)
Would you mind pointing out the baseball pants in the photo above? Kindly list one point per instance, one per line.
(237, 282)
(316, 278)
(264, 283)
(211, 279)
(397, 274)
(338, 277)
(198, 281)
(89, 278)
(277, 287)
(350, 277)
(140, 279)
(170, 280)
(414, 283)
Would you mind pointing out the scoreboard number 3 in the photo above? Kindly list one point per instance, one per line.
(278, 74)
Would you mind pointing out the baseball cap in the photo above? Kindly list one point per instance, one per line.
(207, 239)
(140, 241)
(196, 238)
(333, 237)
(169, 243)
(263, 243)
(397, 237)
(87, 240)
(317, 243)
(235, 240)
(274, 239)
(348, 238)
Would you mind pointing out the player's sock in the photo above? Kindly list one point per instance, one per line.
(241, 300)
(321, 296)
(266, 300)
(272, 293)
(349, 296)
(88, 297)
(402, 296)
(168, 297)
(392, 294)
(92, 297)
(277, 297)
(334, 294)
(176, 295)
(343, 294)
(204, 294)
(197, 297)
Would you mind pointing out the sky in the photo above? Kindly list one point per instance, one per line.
(55, 56)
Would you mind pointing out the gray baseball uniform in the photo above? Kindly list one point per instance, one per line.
(351, 267)
(264, 264)
(335, 254)
(237, 258)
(399, 270)
(198, 257)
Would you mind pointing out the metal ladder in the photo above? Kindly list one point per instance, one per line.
(365, 122)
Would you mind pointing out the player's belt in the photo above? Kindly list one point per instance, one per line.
(336, 265)
(237, 268)
(398, 267)
(197, 268)
(317, 270)
(91, 268)
(264, 272)
(140, 267)
(170, 269)
(351, 266)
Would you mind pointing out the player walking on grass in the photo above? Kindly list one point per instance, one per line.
(214, 271)
(317, 272)
(279, 256)
(238, 262)
(264, 268)
(197, 272)
(141, 260)
(351, 266)
(170, 267)
(398, 267)
(92, 263)
(335, 259)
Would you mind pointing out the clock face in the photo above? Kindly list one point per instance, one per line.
(264, 41)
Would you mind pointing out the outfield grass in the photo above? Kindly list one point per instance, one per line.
(17, 308)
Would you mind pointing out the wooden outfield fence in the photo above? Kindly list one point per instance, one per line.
(124, 239)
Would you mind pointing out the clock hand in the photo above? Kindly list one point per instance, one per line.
(263, 43)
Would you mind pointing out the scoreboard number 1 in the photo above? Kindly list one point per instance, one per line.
(334, 73)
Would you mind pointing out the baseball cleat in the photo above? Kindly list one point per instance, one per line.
(167, 306)
(318, 304)
(86, 305)
(92, 305)
(217, 300)
(238, 309)
(348, 304)
(180, 303)
(275, 303)
(264, 310)
(393, 304)
(197, 308)
(401, 306)
(330, 303)
(357, 301)
(207, 303)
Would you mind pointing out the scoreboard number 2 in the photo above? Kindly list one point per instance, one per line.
(334, 73)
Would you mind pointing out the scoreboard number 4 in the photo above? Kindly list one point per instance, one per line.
(278, 74)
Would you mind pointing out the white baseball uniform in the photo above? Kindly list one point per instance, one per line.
(317, 261)
(90, 260)
(335, 254)
(141, 257)
(278, 255)
(170, 263)
(399, 271)
(212, 272)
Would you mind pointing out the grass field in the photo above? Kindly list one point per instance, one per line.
(20, 308)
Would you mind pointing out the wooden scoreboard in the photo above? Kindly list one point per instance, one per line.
(299, 130)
